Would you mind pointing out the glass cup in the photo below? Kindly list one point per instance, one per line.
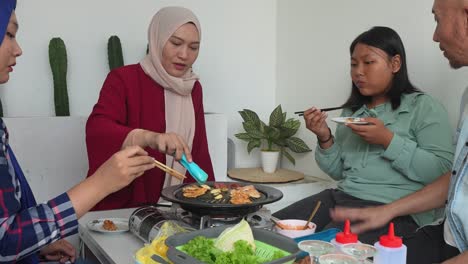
(359, 251)
(316, 248)
(337, 259)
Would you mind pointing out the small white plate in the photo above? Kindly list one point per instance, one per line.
(349, 120)
(120, 223)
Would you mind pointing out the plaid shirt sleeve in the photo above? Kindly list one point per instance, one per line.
(25, 231)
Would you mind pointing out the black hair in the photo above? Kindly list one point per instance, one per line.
(389, 41)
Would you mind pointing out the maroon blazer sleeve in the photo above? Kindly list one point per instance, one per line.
(105, 128)
(200, 152)
(105, 133)
(129, 99)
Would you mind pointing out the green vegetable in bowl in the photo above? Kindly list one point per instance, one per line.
(203, 249)
(242, 253)
(229, 236)
(235, 245)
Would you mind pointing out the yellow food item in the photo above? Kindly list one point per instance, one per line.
(205, 186)
(159, 246)
(143, 255)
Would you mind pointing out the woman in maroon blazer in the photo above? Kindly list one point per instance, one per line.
(156, 104)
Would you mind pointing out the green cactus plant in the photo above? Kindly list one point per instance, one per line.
(114, 53)
(1, 109)
(58, 64)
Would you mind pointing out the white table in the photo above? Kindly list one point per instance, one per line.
(109, 247)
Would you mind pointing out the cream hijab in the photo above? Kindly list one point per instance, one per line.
(180, 116)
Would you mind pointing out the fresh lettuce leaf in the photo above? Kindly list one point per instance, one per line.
(242, 254)
(235, 246)
(241, 231)
(202, 249)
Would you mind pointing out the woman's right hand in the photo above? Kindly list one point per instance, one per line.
(124, 167)
(114, 174)
(170, 144)
(315, 122)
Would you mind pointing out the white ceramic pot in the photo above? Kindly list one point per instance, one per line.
(269, 160)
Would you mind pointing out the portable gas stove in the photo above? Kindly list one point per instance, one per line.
(146, 221)
(194, 213)
(258, 219)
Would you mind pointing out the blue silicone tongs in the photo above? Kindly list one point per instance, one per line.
(197, 173)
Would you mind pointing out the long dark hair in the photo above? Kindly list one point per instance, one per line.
(388, 40)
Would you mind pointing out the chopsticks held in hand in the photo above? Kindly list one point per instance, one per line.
(170, 170)
(301, 113)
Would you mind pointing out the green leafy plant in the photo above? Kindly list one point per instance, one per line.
(279, 132)
(58, 64)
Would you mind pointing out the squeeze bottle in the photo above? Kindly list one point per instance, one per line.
(345, 237)
(390, 249)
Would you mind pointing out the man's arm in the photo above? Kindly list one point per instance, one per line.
(460, 259)
(430, 197)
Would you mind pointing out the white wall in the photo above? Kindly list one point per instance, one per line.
(313, 54)
(255, 54)
(236, 62)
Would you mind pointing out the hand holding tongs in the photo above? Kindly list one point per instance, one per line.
(197, 173)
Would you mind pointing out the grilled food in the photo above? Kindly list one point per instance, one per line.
(353, 119)
(250, 190)
(233, 194)
(239, 197)
(109, 225)
(194, 191)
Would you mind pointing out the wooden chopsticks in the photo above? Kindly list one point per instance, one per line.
(170, 170)
(301, 113)
(278, 224)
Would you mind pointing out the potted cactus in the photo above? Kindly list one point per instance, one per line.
(276, 137)
(114, 53)
(58, 64)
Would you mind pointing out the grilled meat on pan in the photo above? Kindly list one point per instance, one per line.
(235, 195)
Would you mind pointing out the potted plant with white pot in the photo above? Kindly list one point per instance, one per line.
(275, 138)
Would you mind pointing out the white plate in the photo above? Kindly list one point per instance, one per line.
(349, 120)
(96, 225)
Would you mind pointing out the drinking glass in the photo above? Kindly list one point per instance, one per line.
(337, 259)
(359, 251)
(316, 248)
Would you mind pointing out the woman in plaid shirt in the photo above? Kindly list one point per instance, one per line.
(29, 230)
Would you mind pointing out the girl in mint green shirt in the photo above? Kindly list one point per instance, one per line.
(406, 145)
